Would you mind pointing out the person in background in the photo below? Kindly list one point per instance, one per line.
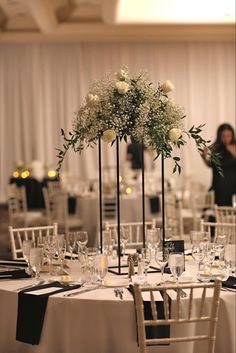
(134, 155)
(224, 186)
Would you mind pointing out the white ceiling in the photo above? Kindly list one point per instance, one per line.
(22, 20)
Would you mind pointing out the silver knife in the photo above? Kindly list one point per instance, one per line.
(80, 292)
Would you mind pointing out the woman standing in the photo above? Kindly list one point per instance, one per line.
(224, 186)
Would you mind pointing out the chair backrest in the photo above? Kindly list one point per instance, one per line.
(109, 208)
(135, 230)
(199, 315)
(220, 228)
(54, 187)
(201, 200)
(16, 200)
(225, 214)
(17, 235)
(56, 205)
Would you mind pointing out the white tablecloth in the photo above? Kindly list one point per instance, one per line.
(98, 322)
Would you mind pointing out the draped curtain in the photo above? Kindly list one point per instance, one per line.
(42, 85)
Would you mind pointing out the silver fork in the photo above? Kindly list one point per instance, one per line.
(30, 285)
(119, 292)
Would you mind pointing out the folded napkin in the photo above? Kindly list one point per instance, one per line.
(161, 331)
(32, 308)
(230, 282)
(15, 263)
(15, 274)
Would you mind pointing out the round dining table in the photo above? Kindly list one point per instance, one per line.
(100, 322)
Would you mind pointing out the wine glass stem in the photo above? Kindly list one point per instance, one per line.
(146, 276)
(162, 274)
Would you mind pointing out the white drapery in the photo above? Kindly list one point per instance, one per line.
(41, 85)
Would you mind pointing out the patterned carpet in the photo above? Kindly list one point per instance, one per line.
(5, 252)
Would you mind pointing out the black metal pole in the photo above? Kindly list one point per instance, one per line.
(143, 196)
(118, 199)
(100, 190)
(163, 201)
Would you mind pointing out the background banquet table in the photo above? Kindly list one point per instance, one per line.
(99, 322)
(130, 207)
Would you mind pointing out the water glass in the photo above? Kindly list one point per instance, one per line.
(176, 264)
(161, 258)
(107, 242)
(101, 267)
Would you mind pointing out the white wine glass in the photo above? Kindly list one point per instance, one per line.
(146, 259)
(26, 246)
(71, 243)
(124, 238)
(210, 254)
(82, 239)
(36, 261)
(198, 254)
(176, 264)
(230, 257)
(161, 258)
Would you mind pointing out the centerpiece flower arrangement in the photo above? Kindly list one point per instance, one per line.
(129, 105)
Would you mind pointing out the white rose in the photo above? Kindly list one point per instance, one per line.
(167, 86)
(109, 136)
(122, 75)
(92, 100)
(122, 87)
(175, 134)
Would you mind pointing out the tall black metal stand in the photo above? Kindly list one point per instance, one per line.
(143, 196)
(163, 200)
(100, 192)
(118, 199)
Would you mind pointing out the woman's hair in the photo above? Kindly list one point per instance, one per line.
(222, 128)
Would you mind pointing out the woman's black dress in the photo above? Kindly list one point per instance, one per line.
(224, 187)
